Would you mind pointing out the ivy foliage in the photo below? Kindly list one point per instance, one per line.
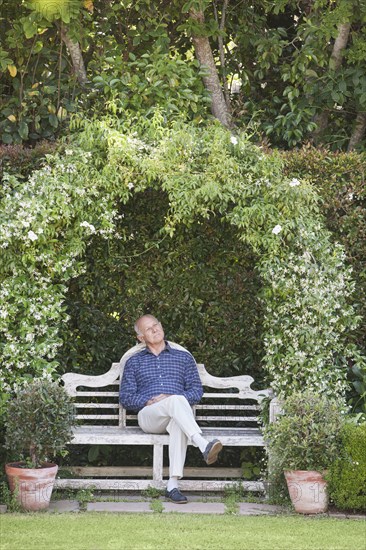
(81, 199)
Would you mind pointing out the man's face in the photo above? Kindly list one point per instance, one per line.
(151, 331)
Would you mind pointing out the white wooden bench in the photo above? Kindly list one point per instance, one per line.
(228, 410)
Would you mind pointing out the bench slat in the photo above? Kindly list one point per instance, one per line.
(96, 405)
(97, 417)
(97, 394)
(228, 418)
(228, 407)
(226, 396)
(146, 471)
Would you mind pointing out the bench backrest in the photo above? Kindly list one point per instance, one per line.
(226, 402)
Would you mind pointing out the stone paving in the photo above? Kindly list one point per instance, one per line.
(195, 505)
(192, 507)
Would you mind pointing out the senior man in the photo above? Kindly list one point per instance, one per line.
(161, 382)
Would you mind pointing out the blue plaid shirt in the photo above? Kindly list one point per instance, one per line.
(146, 375)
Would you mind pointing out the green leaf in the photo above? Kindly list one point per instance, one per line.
(53, 120)
(29, 27)
(23, 130)
(7, 138)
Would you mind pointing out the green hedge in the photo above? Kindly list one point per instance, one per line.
(201, 283)
(347, 483)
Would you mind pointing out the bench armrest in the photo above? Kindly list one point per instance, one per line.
(242, 382)
(72, 380)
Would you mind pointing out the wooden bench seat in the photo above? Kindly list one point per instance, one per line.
(228, 410)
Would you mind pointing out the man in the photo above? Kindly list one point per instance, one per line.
(161, 382)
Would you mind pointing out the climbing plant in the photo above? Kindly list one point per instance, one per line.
(50, 220)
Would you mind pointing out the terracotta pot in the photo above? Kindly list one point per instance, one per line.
(308, 491)
(32, 486)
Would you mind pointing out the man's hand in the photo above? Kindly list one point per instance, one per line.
(157, 398)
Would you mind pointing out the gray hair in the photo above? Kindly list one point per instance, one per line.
(136, 325)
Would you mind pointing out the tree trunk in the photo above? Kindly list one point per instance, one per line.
(76, 56)
(358, 131)
(339, 46)
(211, 79)
(222, 51)
(335, 62)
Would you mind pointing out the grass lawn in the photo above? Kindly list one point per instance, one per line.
(108, 531)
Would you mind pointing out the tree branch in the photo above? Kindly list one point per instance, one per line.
(335, 63)
(358, 131)
(222, 50)
(76, 56)
(211, 79)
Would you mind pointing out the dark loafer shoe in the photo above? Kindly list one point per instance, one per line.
(176, 496)
(212, 451)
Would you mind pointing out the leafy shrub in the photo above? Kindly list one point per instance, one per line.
(38, 422)
(156, 79)
(307, 433)
(347, 477)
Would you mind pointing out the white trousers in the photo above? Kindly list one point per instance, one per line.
(175, 416)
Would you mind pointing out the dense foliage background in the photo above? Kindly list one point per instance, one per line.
(294, 71)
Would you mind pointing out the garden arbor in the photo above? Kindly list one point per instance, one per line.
(81, 197)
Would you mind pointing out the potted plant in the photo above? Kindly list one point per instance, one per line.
(303, 442)
(38, 425)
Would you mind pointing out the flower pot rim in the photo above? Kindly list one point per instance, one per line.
(21, 465)
(319, 471)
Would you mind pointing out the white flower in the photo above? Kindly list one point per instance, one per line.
(276, 230)
(88, 225)
(294, 183)
(130, 185)
(234, 140)
(32, 236)
(69, 152)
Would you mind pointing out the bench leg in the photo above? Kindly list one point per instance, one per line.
(158, 465)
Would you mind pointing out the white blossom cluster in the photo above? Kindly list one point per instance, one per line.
(46, 221)
(306, 315)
